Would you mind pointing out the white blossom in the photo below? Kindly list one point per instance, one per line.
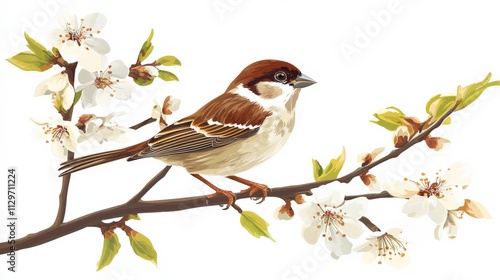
(333, 219)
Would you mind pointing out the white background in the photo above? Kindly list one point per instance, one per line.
(423, 48)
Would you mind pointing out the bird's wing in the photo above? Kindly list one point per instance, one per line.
(221, 122)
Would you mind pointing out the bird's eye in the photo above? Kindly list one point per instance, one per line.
(280, 76)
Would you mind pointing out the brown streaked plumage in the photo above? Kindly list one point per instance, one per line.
(235, 131)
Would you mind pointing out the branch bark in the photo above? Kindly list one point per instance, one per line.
(136, 205)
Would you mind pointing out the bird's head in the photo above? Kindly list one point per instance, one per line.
(270, 83)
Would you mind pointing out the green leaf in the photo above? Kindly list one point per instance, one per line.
(38, 49)
(110, 248)
(470, 93)
(390, 118)
(78, 95)
(29, 62)
(317, 169)
(429, 103)
(143, 247)
(142, 82)
(133, 217)
(55, 51)
(255, 225)
(167, 76)
(168, 60)
(440, 105)
(333, 168)
(147, 48)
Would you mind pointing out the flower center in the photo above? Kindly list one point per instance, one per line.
(103, 79)
(58, 133)
(103, 82)
(389, 247)
(78, 34)
(331, 220)
(428, 188)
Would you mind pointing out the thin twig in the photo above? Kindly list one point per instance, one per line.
(143, 123)
(150, 184)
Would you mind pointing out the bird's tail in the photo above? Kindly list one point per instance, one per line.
(100, 158)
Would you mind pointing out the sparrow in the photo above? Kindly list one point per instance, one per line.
(232, 133)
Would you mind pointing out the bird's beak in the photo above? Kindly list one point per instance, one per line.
(303, 81)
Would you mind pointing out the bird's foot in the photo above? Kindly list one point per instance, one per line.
(255, 187)
(229, 194)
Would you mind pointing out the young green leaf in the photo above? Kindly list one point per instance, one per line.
(440, 105)
(333, 168)
(143, 247)
(143, 82)
(29, 62)
(167, 76)
(390, 118)
(110, 248)
(168, 60)
(38, 49)
(467, 95)
(147, 48)
(317, 169)
(133, 217)
(78, 95)
(255, 225)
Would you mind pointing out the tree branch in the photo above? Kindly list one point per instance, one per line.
(63, 196)
(150, 184)
(135, 205)
(143, 123)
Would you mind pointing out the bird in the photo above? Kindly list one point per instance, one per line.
(234, 132)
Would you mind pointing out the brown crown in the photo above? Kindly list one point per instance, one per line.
(263, 70)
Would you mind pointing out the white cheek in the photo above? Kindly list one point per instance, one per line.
(268, 104)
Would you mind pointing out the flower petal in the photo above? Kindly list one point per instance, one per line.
(416, 207)
(95, 20)
(459, 174)
(398, 261)
(89, 96)
(403, 189)
(123, 90)
(311, 233)
(308, 212)
(119, 69)
(58, 149)
(68, 97)
(91, 60)
(86, 77)
(437, 211)
(340, 246)
(452, 198)
(97, 44)
(42, 89)
(58, 82)
(71, 51)
(355, 208)
(352, 227)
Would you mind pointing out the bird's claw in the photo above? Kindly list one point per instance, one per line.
(255, 188)
(229, 194)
